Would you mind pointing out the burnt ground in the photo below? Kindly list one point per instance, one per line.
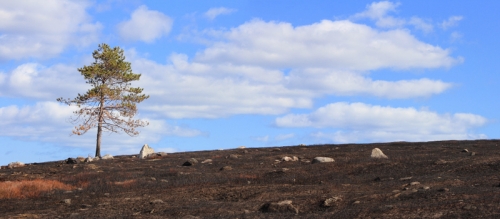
(451, 184)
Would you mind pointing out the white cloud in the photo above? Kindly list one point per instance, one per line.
(421, 24)
(242, 70)
(284, 137)
(145, 25)
(378, 122)
(341, 45)
(378, 11)
(451, 22)
(49, 122)
(212, 13)
(32, 80)
(325, 81)
(44, 29)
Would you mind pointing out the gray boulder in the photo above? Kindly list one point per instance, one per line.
(15, 164)
(107, 157)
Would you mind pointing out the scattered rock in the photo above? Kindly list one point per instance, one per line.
(72, 161)
(233, 156)
(226, 168)
(377, 153)
(81, 159)
(443, 190)
(302, 145)
(465, 150)
(356, 202)
(287, 158)
(440, 162)
(66, 201)
(405, 178)
(84, 206)
(331, 201)
(145, 151)
(207, 161)
(275, 149)
(242, 147)
(190, 162)
(88, 159)
(107, 157)
(414, 183)
(156, 201)
(282, 206)
(15, 164)
(323, 160)
(473, 154)
(469, 207)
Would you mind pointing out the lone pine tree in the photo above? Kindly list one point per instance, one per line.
(110, 104)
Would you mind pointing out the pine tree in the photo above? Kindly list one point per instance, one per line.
(110, 104)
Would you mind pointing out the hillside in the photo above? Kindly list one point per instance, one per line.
(418, 180)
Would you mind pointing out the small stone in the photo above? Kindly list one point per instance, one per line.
(81, 159)
(226, 168)
(473, 154)
(233, 156)
(323, 160)
(331, 201)
(281, 207)
(66, 201)
(440, 162)
(414, 183)
(106, 194)
(405, 178)
(88, 159)
(86, 206)
(207, 161)
(356, 202)
(152, 178)
(443, 190)
(156, 201)
(242, 147)
(465, 150)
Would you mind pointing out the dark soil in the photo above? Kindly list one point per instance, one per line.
(451, 184)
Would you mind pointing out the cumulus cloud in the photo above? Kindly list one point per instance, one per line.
(42, 29)
(145, 25)
(341, 45)
(32, 80)
(384, 122)
(49, 122)
(212, 13)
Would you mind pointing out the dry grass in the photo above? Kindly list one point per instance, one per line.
(29, 189)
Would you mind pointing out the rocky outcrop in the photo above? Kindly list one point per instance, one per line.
(378, 154)
(145, 151)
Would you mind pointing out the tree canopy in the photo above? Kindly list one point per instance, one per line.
(110, 103)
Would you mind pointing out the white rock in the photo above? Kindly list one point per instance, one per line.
(145, 151)
(89, 159)
(287, 158)
(323, 160)
(242, 147)
(107, 157)
(377, 153)
(15, 164)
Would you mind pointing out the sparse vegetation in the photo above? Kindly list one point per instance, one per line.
(29, 188)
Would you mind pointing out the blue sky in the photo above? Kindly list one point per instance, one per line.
(223, 74)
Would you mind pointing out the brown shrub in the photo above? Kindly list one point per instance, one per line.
(29, 189)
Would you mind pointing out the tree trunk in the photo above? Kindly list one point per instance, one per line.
(98, 144)
(99, 127)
